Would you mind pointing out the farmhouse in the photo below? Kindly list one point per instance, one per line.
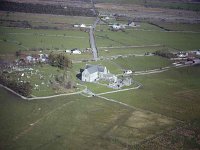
(117, 26)
(75, 51)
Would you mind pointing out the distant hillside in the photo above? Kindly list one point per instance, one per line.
(193, 5)
(46, 8)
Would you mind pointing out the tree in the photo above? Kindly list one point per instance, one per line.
(60, 60)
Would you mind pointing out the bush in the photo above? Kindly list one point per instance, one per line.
(60, 60)
(23, 88)
(166, 54)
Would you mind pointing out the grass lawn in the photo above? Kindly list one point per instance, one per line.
(173, 93)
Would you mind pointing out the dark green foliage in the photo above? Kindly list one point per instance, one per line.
(60, 61)
(45, 9)
(23, 88)
(166, 54)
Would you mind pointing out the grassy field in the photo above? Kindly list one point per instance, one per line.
(51, 39)
(176, 40)
(142, 63)
(179, 26)
(36, 20)
(166, 100)
(173, 93)
(73, 122)
(107, 52)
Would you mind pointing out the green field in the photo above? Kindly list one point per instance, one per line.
(35, 20)
(45, 39)
(176, 40)
(108, 52)
(179, 27)
(162, 114)
(73, 122)
(142, 63)
(173, 93)
(77, 122)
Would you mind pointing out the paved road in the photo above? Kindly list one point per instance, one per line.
(92, 39)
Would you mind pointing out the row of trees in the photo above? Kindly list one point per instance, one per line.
(60, 60)
(23, 88)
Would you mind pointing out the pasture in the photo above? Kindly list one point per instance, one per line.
(35, 20)
(167, 104)
(142, 63)
(44, 39)
(175, 40)
(173, 93)
(74, 122)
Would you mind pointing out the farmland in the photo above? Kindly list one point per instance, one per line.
(71, 119)
(158, 110)
(178, 40)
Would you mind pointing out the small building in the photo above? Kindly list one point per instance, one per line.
(182, 54)
(83, 26)
(132, 24)
(117, 26)
(76, 25)
(128, 72)
(75, 51)
(106, 18)
(67, 51)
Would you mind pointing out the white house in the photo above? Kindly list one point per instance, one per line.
(76, 26)
(118, 26)
(182, 54)
(68, 51)
(128, 72)
(106, 18)
(132, 24)
(76, 51)
(83, 26)
(93, 73)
